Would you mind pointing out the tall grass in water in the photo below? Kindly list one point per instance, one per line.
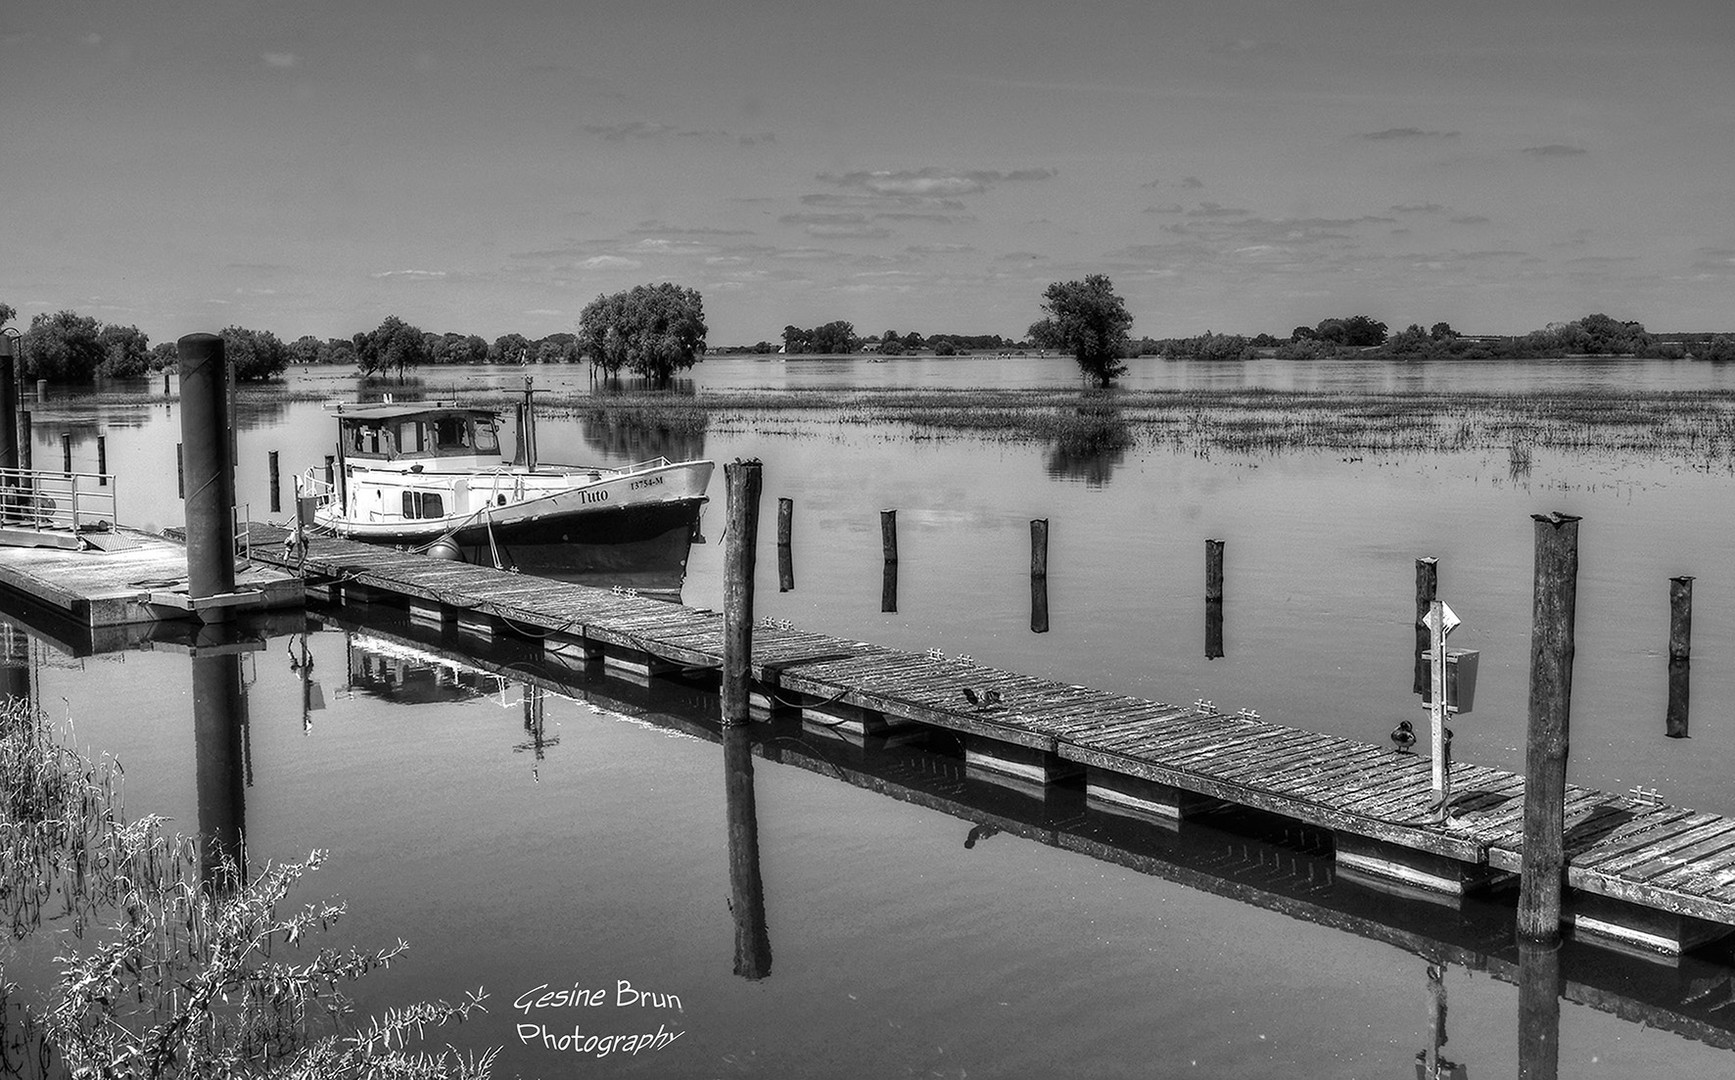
(189, 977)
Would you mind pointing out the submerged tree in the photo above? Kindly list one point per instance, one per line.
(652, 330)
(1087, 319)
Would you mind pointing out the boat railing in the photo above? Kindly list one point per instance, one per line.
(41, 499)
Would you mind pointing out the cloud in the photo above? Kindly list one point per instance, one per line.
(1406, 133)
(412, 275)
(1192, 182)
(931, 182)
(1166, 208)
(1555, 150)
(655, 131)
(610, 262)
(280, 59)
(632, 129)
(1212, 210)
(92, 39)
(1417, 208)
(831, 226)
(1468, 219)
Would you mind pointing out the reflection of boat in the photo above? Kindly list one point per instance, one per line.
(429, 476)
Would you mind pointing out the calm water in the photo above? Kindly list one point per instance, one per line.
(904, 942)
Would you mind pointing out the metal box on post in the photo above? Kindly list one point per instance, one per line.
(1460, 678)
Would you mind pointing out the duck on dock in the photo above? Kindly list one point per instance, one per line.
(1404, 737)
(987, 699)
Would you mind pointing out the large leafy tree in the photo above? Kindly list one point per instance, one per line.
(126, 352)
(62, 347)
(254, 354)
(653, 330)
(395, 344)
(1087, 319)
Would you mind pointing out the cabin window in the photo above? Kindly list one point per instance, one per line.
(410, 439)
(423, 504)
(452, 433)
(487, 438)
(365, 439)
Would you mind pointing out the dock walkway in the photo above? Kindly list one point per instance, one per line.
(1653, 876)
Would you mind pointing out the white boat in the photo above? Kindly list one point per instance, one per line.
(430, 476)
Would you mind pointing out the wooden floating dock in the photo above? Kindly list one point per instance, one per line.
(1657, 878)
(119, 577)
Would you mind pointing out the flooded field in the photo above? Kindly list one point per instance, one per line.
(532, 826)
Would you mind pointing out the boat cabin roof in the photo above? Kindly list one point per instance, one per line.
(410, 410)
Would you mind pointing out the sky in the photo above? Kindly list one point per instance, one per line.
(1238, 166)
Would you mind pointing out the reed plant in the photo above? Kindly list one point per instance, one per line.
(194, 966)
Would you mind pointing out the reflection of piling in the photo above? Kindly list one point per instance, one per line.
(276, 494)
(1039, 605)
(208, 468)
(1551, 654)
(1427, 591)
(889, 587)
(15, 665)
(1213, 599)
(26, 440)
(66, 452)
(1539, 990)
(1680, 654)
(218, 761)
(785, 552)
(889, 534)
(746, 885)
(180, 471)
(742, 479)
(102, 459)
(1039, 548)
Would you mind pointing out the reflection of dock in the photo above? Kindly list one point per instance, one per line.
(1649, 876)
(133, 577)
(1250, 858)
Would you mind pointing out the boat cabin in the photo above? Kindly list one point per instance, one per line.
(418, 430)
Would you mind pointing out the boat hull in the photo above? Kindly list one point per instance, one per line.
(631, 531)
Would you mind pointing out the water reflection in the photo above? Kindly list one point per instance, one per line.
(635, 438)
(1539, 992)
(746, 884)
(220, 758)
(1092, 441)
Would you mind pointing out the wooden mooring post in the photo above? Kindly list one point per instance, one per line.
(209, 469)
(26, 440)
(102, 459)
(1680, 654)
(785, 548)
(1213, 599)
(1427, 591)
(889, 576)
(276, 493)
(8, 404)
(742, 479)
(1548, 736)
(1039, 547)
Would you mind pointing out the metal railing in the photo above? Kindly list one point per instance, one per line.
(71, 501)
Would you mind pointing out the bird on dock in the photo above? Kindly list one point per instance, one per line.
(987, 699)
(1404, 737)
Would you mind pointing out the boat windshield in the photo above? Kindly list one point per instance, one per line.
(443, 436)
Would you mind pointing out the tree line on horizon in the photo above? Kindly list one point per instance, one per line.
(655, 330)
